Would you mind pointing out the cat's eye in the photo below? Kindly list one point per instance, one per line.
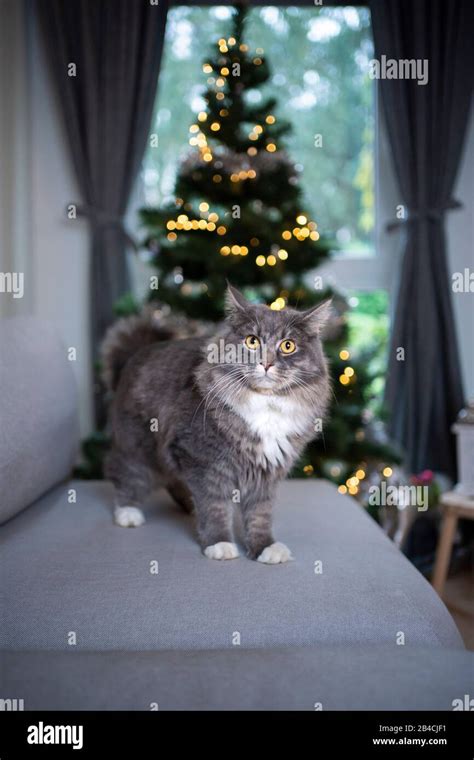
(252, 342)
(288, 346)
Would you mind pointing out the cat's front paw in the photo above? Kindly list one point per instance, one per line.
(222, 550)
(128, 517)
(275, 554)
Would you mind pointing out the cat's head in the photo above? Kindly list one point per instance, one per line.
(271, 351)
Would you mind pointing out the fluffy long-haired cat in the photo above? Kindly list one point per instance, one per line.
(218, 421)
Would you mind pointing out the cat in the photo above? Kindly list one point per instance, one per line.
(218, 421)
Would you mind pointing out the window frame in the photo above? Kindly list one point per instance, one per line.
(346, 270)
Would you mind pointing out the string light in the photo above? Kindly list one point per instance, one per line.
(223, 112)
(308, 469)
(344, 354)
(282, 254)
(217, 178)
(221, 230)
(270, 119)
(231, 41)
(301, 219)
(360, 474)
(225, 71)
(257, 61)
(286, 235)
(349, 371)
(344, 380)
(387, 472)
(271, 147)
(271, 260)
(220, 82)
(243, 48)
(171, 236)
(203, 206)
(225, 250)
(260, 261)
(252, 151)
(202, 116)
(278, 304)
(215, 126)
(207, 68)
(220, 96)
(342, 489)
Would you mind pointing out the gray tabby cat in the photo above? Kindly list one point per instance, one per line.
(216, 421)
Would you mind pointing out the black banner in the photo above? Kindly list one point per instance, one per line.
(148, 734)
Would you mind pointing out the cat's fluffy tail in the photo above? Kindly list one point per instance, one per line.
(124, 338)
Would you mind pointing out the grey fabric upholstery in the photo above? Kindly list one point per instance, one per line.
(68, 568)
(386, 677)
(39, 426)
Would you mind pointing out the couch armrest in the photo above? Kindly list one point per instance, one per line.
(39, 429)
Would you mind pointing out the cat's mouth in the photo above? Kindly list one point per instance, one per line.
(264, 384)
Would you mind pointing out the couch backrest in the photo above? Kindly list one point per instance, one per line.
(39, 429)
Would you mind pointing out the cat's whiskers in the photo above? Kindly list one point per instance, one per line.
(217, 388)
(228, 399)
(213, 386)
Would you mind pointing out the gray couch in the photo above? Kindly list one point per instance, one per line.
(101, 617)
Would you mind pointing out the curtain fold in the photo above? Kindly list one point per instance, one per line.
(104, 57)
(426, 125)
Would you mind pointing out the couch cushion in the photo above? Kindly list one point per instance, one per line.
(72, 575)
(380, 677)
(39, 427)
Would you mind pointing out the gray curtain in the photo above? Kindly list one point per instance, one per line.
(116, 47)
(426, 126)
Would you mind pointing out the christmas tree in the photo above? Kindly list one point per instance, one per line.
(238, 216)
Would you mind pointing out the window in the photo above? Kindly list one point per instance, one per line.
(319, 58)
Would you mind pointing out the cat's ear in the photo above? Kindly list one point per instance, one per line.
(315, 318)
(235, 302)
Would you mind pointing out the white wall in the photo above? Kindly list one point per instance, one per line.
(37, 237)
(37, 182)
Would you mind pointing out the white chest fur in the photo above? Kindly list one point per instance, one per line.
(274, 419)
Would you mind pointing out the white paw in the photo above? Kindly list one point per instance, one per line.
(274, 554)
(222, 550)
(128, 517)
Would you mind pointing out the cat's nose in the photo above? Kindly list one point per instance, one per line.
(266, 365)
